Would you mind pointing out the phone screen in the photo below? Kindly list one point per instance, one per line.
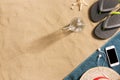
(112, 56)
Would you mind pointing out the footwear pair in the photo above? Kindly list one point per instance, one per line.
(99, 11)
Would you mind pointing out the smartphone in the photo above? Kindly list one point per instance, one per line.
(112, 56)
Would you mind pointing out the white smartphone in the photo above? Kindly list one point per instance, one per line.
(112, 56)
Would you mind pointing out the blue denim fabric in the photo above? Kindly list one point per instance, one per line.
(92, 60)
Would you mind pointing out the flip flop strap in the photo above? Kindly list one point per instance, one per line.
(115, 13)
(106, 27)
(103, 5)
(119, 1)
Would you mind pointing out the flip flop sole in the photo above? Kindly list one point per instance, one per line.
(94, 13)
(103, 34)
(107, 5)
(112, 22)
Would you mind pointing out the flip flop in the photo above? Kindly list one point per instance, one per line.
(107, 5)
(101, 9)
(108, 27)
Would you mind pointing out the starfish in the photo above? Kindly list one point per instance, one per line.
(79, 3)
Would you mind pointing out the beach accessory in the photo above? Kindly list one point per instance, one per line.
(79, 3)
(76, 25)
(101, 54)
(100, 9)
(91, 61)
(113, 13)
(98, 73)
(108, 27)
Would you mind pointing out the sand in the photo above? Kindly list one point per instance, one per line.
(32, 43)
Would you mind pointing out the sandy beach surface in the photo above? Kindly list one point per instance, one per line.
(32, 43)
